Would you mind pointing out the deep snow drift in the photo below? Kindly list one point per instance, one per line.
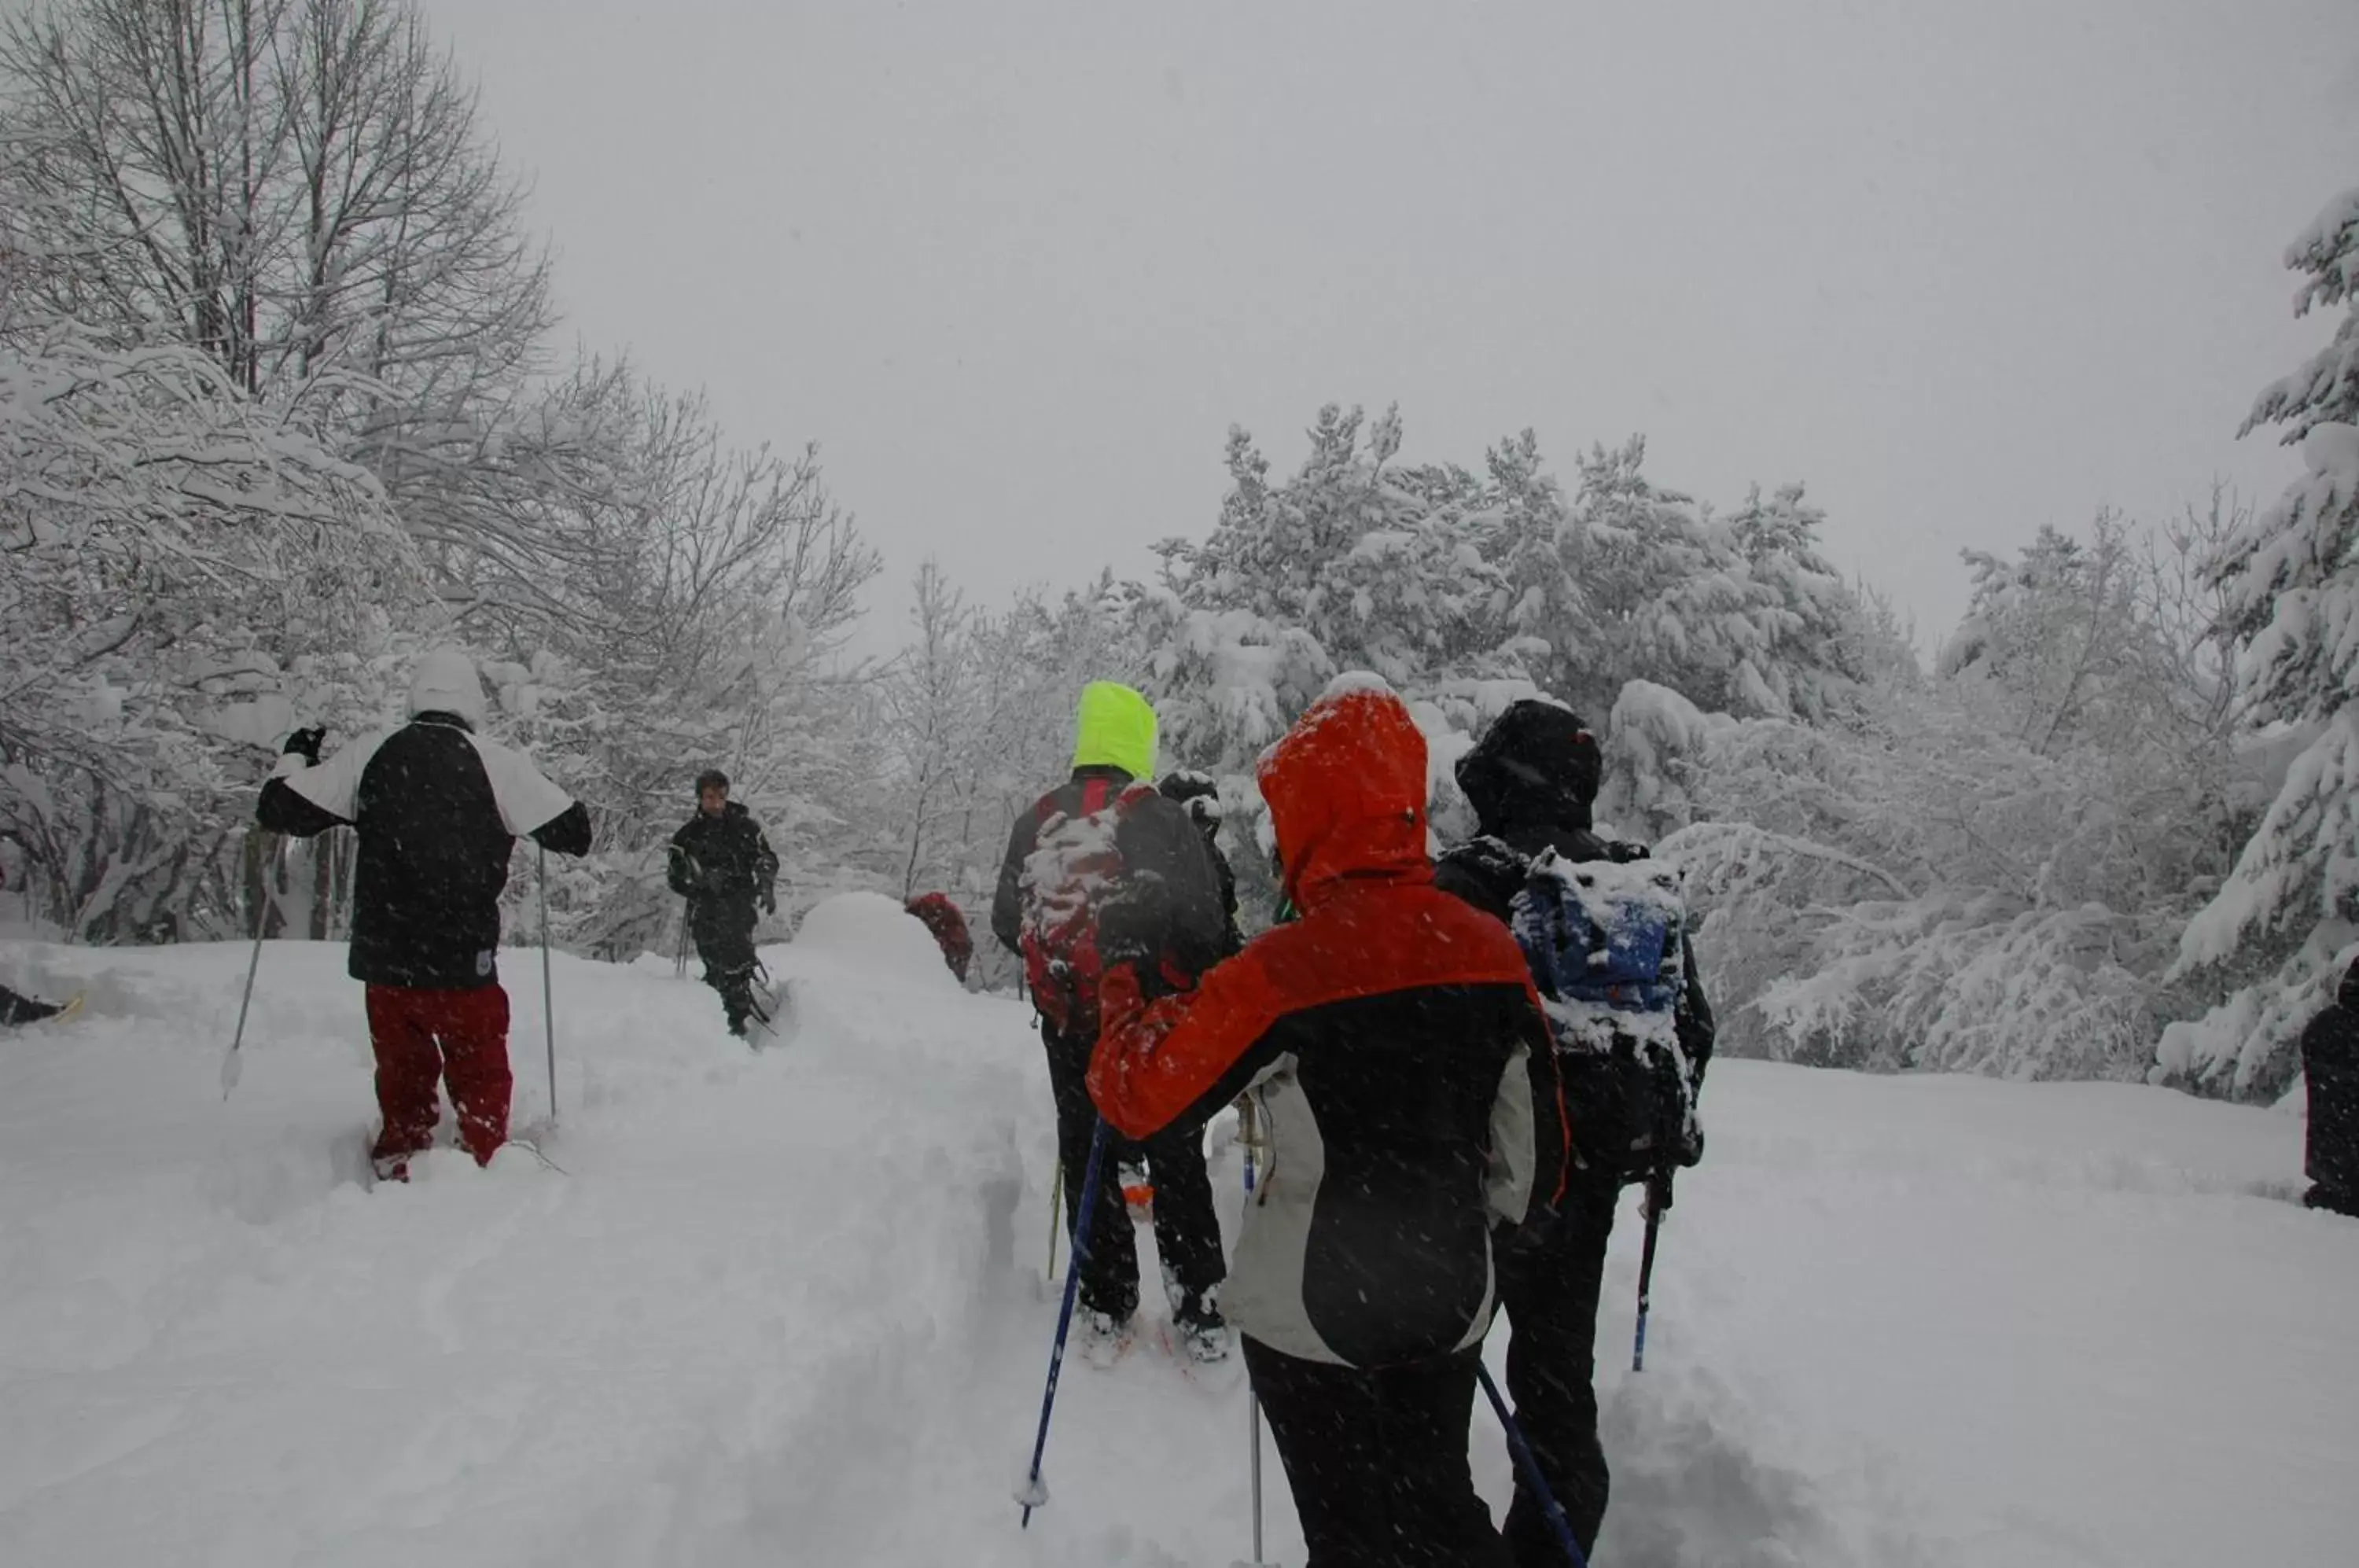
(786, 1308)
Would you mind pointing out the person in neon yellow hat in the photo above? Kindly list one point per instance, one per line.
(1104, 839)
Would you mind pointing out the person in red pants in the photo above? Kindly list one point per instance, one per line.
(438, 807)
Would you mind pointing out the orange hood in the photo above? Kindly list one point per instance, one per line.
(1346, 793)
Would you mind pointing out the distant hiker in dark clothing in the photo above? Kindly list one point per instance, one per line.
(1532, 779)
(2330, 1068)
(16, 1009)
(438, 809)
(1101, 831)
(1201, 798)
(1392, 1039)
(723, 867)
(941, 917)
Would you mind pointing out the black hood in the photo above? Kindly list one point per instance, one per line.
(1538, 765)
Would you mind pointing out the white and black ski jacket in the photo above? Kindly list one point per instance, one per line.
(438, 810)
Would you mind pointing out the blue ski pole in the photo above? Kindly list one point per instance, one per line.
(1531, 1469)
(1033, 1492)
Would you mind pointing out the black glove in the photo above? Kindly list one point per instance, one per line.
(305, 744)
(1135, 921)
(1621, 852)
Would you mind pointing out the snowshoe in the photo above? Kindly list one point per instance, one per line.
(767, 1024)
(1204, 1341)
(1101, 1339)
(1203, 1350)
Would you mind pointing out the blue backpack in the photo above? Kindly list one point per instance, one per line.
(1604, 932)
(1605, 940)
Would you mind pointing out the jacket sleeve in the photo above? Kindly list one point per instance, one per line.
(1187, 1054)
(1157, 835)
(681, 871)
(530, 805)
(1231, 938)
(1531, 1131)
(1008, 902)
(567, 832)
(1694, 1023)
(765, 863)
(304, 799)
(1532, 1090)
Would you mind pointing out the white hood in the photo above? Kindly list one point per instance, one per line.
(445, 682)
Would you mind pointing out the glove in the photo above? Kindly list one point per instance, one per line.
(305, 744)
(1133, 922)
(769, 900)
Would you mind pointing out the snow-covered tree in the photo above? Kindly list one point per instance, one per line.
(2287, 918)
(170, 553)
(2325, 390)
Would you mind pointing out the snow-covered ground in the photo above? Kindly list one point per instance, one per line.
(786, 1308)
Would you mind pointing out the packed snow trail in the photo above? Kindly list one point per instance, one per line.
(786, 1308)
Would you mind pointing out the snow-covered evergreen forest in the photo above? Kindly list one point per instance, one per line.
(283, 397)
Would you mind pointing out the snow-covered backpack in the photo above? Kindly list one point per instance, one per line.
(1075, 863)
(1606, 943)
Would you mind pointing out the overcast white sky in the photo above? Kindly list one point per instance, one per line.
(1965, 267)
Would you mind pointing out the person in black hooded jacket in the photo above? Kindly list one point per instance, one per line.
(723, 865)
(1532, 779)
(2330, 1070)
(437, 807)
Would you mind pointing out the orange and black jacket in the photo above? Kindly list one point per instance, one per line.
(1394, 1044)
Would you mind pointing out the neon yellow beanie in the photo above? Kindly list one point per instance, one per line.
(1115, 727)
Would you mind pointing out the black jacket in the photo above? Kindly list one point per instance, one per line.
(1156, 835)
(722, 866)
(2329, 1065)
(437, 811)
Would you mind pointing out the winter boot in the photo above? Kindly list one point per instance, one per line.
(1103, 1338)
(1203, 1340)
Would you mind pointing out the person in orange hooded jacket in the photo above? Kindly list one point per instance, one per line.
(1402, 1063)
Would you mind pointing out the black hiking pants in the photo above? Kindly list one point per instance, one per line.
(1376, 1460)
(1550, 1273)
(1187, 1231)
(723, 930)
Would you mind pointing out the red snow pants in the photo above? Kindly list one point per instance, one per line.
(461, 1037)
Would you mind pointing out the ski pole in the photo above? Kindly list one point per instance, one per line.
(1252, 1398)
(1531, 1467)
(547, 993)
(1034, 1493)
(234, 1065)
(1056, 1215)
(1658, 1198)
